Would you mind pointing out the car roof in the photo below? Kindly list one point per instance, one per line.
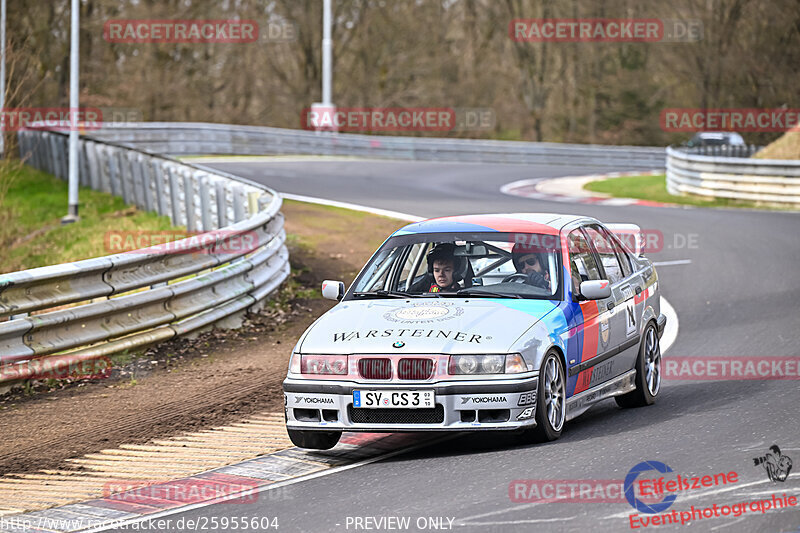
(547, 223)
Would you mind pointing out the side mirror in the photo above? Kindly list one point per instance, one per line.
(596, 289)
(332, 290)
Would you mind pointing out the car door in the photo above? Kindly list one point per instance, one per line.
(624, 324)
(591, 326)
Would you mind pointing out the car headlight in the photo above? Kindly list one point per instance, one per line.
(323, 364)
(486, 364)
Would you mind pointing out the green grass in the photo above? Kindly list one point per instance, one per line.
(31, 206)
(654, 188)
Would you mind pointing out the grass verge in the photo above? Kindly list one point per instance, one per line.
(654, 189)
(31, 206)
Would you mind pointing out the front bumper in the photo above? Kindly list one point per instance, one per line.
(505, 404)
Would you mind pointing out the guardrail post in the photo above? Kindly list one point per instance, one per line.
(91, 158)
(124, 176)
(113, 170)
(238, 204)
(63, 153)
(54, 165)
(83, 165)
(205, 203)
(252, 202)
(174, 195)
(222, 205)
(158, 176)
(147, 182)
(188, 196)
(105, 165)
(138, 180)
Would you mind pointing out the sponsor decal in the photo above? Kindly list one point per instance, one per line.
(603, 371)
(630, 319)
(312, 400)
(526, 414)
(604, 331)
(599, 373)
(483, 399)
(424, 313)
(527, 398)
(458, 336)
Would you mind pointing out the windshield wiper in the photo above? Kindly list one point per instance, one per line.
(488, 294)
(392, 294)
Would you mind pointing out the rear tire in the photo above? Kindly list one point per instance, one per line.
(648, 372)
(551, 406)
(314, 440)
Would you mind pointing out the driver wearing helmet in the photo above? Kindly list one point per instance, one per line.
(442, 273)
(531, 262)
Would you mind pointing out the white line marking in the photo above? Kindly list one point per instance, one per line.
(354, 207)
(670, 263)
(671, 329)
(513, 522)
(271, 486)
(727, 524)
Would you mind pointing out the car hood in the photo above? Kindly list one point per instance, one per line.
(423, 326)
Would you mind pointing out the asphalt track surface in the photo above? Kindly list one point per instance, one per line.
(737, 297)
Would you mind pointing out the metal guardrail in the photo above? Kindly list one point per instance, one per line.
(222, 139)
(108, 304)
(769, 181)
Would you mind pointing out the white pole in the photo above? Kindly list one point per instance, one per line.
(72, 214)
(327, 52)
(2, 70)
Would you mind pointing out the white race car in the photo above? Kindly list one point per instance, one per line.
(481, 322)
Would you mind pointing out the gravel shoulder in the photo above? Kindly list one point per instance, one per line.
(184, 385)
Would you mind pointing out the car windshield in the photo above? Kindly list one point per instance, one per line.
(496, 265)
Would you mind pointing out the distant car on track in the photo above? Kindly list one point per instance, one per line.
(715, 138)
(481, 322)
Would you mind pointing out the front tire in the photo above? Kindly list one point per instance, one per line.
(314, 440)
(648, 372)
(551, 406)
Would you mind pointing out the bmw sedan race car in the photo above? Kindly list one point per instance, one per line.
(481, 322)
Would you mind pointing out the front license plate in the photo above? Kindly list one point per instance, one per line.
(404, 399)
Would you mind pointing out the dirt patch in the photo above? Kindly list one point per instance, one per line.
(193, 384)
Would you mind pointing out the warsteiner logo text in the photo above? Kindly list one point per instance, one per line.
(458, 336)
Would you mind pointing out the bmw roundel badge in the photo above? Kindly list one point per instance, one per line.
(398, 344)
